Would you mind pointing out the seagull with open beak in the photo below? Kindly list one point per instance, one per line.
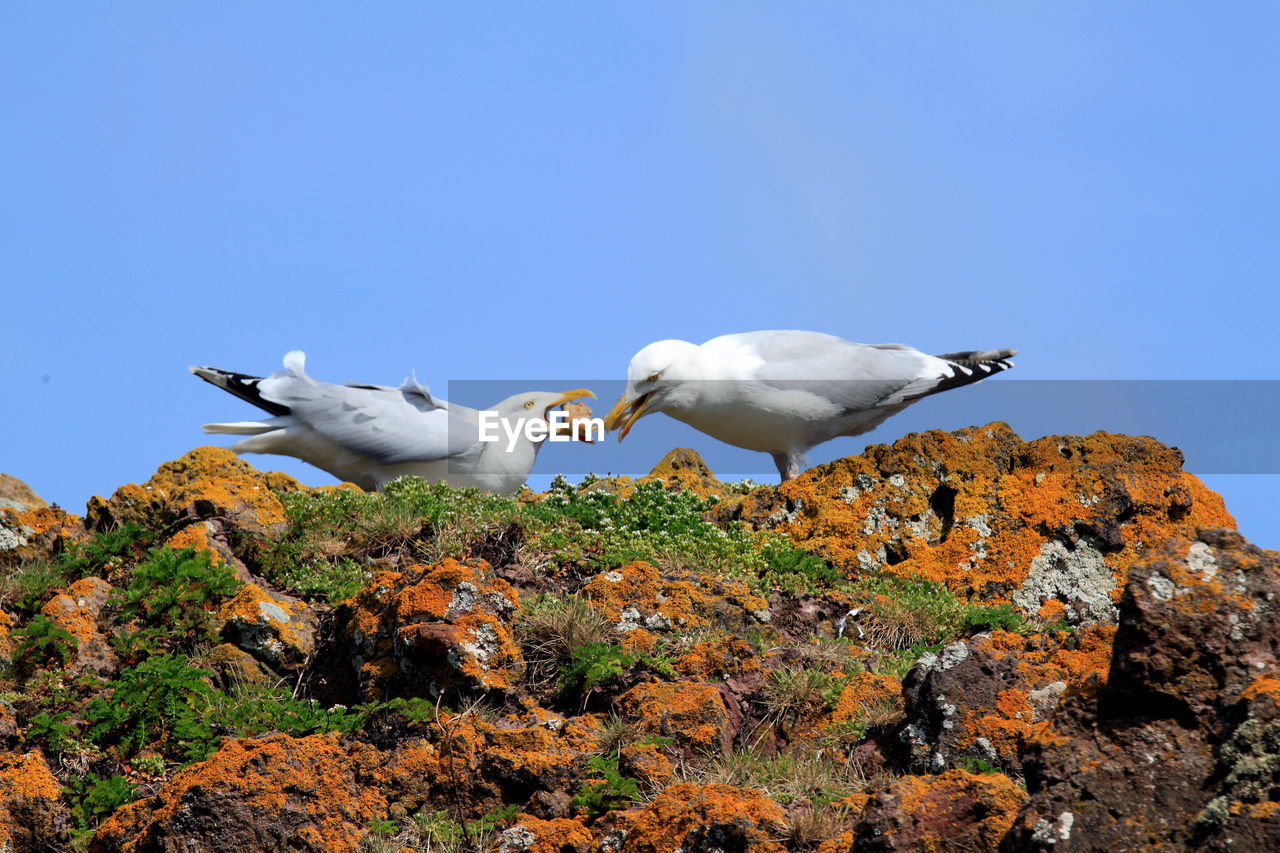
(371, 434)
(782, 392)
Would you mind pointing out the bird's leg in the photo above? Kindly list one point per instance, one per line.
(788, 465)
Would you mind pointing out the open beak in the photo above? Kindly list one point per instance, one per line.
(566, 397)
(626, 413)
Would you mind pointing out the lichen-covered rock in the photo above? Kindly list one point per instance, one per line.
(76, 611)
(988, 697)
(954, 811)
(1180, 748)
(31, 817)
(270, 793)
(698, 819)
(36, 532)
(693, 715)
(639, 595)
(206, 483)
(277, 629)
(1053, 522)
(684, 469)
(426, 630)
(467, 759)
(235, 667)
(532, 835)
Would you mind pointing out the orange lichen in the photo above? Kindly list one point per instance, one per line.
(1264, 685)
(682, 469)
(313, 792)
(559, 835)
(399, 619)
(740, 819)
(956, 809)
(692, 714)
(864, 693)
(638, 595)
(196, 536)
(27, 775)
(718, 660)
(972, 509)
(206, 481)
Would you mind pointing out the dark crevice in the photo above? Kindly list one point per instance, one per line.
(943, 504)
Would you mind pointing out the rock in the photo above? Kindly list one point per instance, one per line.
(36, 533)
(693, 715)
(76, 610)
(209, 483)
(424, 631)
(985, 699)
(531, 835)
(236, 667)
(697, 819)
(270, 793)
(1050, 525)
(31, 816)
(683, 469)
(275, 628)
(955, 811)
(640, 596)
(17, 495)
(1180, 748)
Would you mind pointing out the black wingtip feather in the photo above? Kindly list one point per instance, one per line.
(241, 385)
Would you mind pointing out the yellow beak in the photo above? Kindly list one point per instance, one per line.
(572, 395)
(626, 413)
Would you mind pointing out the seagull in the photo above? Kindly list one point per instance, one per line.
(371, 434)
(782, 392)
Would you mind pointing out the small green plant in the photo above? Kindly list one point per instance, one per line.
(95, 798)
(163, 701)
(594, 664)
(103, 552)
(41, 642)
(58, 734)
(610, 791)
(976, 765)
(173, 592)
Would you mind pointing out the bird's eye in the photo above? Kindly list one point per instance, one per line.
(528, 404)
(653, 377)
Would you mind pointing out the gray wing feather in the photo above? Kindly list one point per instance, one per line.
(386, 425)
(849, 376)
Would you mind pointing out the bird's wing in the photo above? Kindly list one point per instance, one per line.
(383, 424)
(849, 376)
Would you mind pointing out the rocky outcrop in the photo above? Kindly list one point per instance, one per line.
(424, 631)
(17, 495)
(1051, 525)
(698, 819)
(955, 812)
(684, 470)
(209, 483)
(31, 817)
(987, 698)
(1180, 747)
(271, 793)
(277, 629)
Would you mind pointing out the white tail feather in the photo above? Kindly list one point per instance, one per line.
(240, 428)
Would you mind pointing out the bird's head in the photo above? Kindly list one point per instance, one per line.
(656, 381)
(539, 404)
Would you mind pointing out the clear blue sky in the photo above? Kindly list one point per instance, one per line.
(499, 190)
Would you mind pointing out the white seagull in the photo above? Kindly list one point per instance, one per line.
(371, 434)
(782, 392)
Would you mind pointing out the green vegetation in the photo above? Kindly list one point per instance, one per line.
(611, 790)
(170, 599)
(42, 642)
